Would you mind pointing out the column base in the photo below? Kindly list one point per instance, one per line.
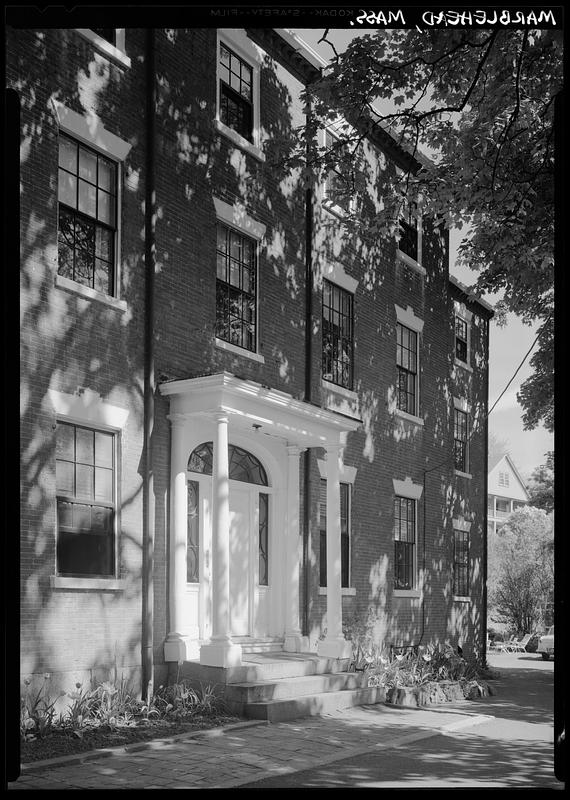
(334, 648)
(181, 648)
(295, 643)
(221, 654)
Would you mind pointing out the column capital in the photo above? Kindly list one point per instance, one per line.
(294, 450)
(333, 449)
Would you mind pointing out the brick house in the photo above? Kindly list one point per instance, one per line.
(236, 428)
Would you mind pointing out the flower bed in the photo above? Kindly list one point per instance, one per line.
(424, 676)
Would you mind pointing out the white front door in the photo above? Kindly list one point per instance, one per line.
(241, 559)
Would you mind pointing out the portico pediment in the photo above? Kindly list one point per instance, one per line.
(251, 405)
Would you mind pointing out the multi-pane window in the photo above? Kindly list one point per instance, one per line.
(503, 478)
(87, 195)
(236, 288)
(460, 439)
(236, 93)
(409, 231)
(407, 363)
(461, 563)
(193, 534)
(344, 533)
(461, 339)
(86, 501)
(338, 332)
(404, 542)
(336, 184)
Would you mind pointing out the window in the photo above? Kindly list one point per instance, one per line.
(236, 92)
(337, 187)
(460, 440)
(236, 288)
(404, 542)
(461, 339)
(407, 364)
(502, 508)
(87, 217)
(243, 466)
(263, 539)
(344, 534)
(86, 501)
(503, 478)
(461, 563)
(409, 241)
(338, 327)
(193, 534)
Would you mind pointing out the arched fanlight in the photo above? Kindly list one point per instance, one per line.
(243, 466)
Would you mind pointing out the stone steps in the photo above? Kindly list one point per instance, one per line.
(287, 688)
(313, 704)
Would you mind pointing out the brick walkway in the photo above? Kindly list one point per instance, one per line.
(246, 752)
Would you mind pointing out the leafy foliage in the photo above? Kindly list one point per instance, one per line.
(481, 103)
(521, 570)
(541, 485)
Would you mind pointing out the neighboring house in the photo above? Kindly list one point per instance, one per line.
(506, 492)
(236, 427)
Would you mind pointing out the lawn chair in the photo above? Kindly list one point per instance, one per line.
(503, 647)
(520, 646)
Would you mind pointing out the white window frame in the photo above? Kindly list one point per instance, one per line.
(235, 216)
(238, 41)
(415, 264)
(87, 409)
(347, 475)
(348, 282)
(116, 52)
(461, 404)
(409, 490)
(464, 526)
(329, 205)
(88, 130)
(459, 310)
(408, 319)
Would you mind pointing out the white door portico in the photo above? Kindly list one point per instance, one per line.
(246, 580)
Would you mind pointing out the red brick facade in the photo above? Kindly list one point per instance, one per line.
(70, 340)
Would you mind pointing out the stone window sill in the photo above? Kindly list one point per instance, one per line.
(463, 474)
(239, 351)
(409, 417)
(461, 599)
(89, 584)
(410, 262)
(346, 591)
(238, 140)
(463, 365)
(411, 594)
(89, 294)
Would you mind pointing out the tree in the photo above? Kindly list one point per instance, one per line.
(521, 570)
(498, 447)
(541, 485)
(482, 102)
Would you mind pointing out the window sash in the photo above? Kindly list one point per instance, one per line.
(461, 339)
(236, 92)
(461, 563)
(460, 440)
(236, 288)
(85, 501)
(193, 533)
(404, 542)
(344, 534)
(407, 366)
(87, 215)
(337, 335)
(408, 242)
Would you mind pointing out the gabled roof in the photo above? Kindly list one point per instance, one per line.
(492, 478)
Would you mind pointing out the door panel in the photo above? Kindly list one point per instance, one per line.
(240, 561)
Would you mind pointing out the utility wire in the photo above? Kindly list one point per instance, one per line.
(518, 368)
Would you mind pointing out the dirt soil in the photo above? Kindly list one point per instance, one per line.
(62, 742)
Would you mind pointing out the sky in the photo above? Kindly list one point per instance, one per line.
(508, 344)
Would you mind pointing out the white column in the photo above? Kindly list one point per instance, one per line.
(221, 651)
(294, 641)
(177, 646)
(334, 645)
